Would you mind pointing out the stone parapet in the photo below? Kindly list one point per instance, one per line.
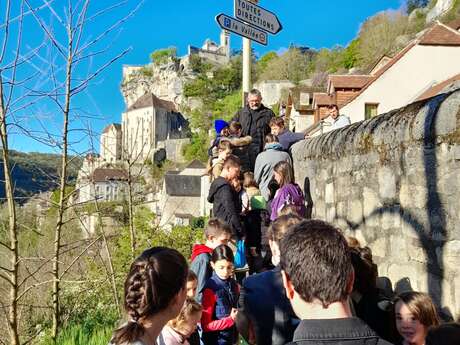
(393, 182)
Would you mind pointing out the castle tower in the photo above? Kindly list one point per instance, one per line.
(225, 42)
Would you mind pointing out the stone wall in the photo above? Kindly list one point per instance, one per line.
(394, 183)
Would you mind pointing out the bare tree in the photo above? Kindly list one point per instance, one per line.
(60, 83)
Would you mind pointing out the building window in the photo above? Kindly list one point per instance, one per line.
(370, 110)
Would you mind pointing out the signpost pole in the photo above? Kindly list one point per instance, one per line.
(246, 68)
(247, 65)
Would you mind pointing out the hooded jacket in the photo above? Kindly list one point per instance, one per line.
(201, 257)
(265, 162)
(226, 205)
(289, 194)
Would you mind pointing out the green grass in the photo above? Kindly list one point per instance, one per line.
(76, 335)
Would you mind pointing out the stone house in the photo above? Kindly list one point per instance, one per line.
(104, 184)
(431, 58)
(299, 107)
(110, 143)
(149, 124)
(179, 200)
(272, 90)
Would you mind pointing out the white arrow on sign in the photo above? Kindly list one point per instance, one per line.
(257, 16)
(238, 27)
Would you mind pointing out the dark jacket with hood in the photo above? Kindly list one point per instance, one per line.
(226, 205)
(346, 331)
(256, 124)
(201, 266)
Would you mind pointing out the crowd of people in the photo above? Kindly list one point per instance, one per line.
(265, 273)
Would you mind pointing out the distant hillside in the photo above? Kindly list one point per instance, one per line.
(36, 172)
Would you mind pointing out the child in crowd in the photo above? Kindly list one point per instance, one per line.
(192, 284)
(217, 232)
(183, 326)
(289, 193)
(224, 197)
(250, 189)
(220, 297)
(285, 136)
(215, 165)
(154, 294)
(221, 128)
(239, 144)
(368, 302)
(252, 221)
(445, 334)
(415, 313)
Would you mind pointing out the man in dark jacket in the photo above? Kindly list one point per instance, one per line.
(318, 278)
(254, 119)
(263, 309)
(224, 198)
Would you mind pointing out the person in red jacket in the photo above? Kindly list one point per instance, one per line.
(217, 232)
(220, 298)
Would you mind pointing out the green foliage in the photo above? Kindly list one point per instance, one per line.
(265, 60)
(329, 60)
(293, 65)
(227, 107)
(378, 36)
(198, 147)
(453, 13)
(77, 334)
(350, 55)
(162, 56)
(37, 172)
(199, 66)
(146, 71)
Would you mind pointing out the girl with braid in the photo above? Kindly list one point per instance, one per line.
(155, 291)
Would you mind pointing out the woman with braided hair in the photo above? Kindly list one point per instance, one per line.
(155, 291)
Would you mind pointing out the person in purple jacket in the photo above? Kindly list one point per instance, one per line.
(289, 193)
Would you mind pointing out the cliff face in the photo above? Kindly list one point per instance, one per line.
(166, 81)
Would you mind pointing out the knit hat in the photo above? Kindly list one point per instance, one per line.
(219, 125)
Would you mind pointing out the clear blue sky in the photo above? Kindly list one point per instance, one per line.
(161, 24)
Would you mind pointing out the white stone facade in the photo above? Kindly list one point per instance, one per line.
(110, 145)
(420, 68)
(138, 133)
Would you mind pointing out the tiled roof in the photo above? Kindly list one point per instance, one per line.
(441, 35)
(434, 90)
(455, 24)
(438, 34)
(105, 174)
(150, 100)
(116, 125)
(349, 81)
(196, 164)
(385, 68)
(322, 98)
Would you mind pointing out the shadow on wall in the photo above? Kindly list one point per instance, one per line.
(432, 234)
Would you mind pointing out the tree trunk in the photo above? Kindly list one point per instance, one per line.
(12, 227)
(62, 195)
